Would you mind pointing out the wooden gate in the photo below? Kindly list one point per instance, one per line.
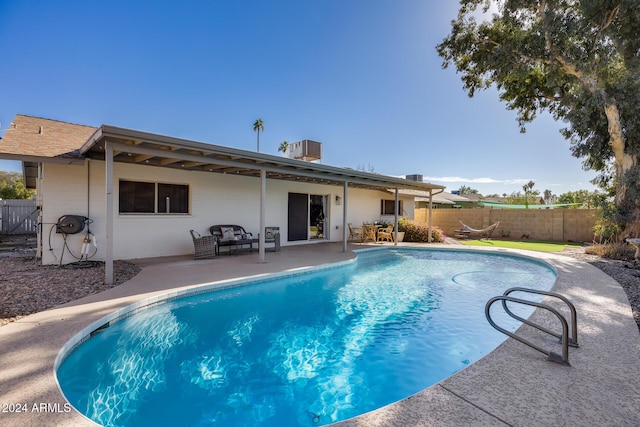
(18, 216)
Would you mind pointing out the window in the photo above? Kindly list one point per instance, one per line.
(137, 197)
(387, 207)
(173, 198)
(150, 197)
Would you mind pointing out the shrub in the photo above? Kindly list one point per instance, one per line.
(606, 231)
(415, 231)
(621, 251)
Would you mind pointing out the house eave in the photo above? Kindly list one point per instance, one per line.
(132, 146)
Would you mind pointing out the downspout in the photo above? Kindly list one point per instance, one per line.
(89, 193)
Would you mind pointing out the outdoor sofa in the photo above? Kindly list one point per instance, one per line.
(233, 237)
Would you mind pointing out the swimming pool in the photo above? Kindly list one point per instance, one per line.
(304, 350)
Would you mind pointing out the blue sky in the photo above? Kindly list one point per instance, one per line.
(361, 76)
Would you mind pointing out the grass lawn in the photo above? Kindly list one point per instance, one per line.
(532, 245)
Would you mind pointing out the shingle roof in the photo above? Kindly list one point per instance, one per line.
(43, 138)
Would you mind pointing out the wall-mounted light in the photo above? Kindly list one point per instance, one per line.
(338, 200)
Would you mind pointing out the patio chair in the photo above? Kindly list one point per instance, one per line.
(355, 233)
(369, 233)
(385, 234)
(272, 235)
(205, 246)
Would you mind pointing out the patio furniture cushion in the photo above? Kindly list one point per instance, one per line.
(227, 233)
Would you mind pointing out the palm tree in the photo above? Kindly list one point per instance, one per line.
(529, 191)
(548, 196)
(258, 126)
(283, 147)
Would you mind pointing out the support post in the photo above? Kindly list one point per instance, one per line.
(430, 238)
(108, 260)
(263, 207)
(395, 221)
(345, 231)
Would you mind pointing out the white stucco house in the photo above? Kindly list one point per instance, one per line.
(143, 192)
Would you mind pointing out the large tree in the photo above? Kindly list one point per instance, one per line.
(579, 60)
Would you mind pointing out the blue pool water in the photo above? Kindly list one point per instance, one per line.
(305, 350)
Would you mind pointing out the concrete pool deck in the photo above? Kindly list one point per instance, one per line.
(513, 385)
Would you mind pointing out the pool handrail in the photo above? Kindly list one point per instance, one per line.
(573, 339)
(551, 356)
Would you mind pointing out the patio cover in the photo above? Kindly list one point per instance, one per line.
(72, 144)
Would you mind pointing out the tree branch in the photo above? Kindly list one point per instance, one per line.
(570, 68)
(606, 23)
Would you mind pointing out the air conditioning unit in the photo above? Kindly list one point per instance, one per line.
(305, 150)
(71, 224)
(414, 177)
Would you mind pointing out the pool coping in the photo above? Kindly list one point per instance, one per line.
(512, 385)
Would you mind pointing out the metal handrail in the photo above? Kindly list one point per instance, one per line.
(573, 339)
(551, 356)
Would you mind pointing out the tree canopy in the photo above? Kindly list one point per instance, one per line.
(12, 187)
(467, 190)
(588, 199)
(578, 60)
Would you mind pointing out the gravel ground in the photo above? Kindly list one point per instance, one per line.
(27, 287)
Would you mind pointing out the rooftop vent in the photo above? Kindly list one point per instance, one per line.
(305, 150)
(414, 177)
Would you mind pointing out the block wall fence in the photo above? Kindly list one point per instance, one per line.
(560, 225)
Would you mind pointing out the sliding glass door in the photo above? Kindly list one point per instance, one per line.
(307, 217)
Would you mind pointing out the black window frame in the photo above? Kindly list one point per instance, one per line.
(388, 207)
(146, 197)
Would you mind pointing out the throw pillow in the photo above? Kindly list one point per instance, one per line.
(227, 233)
